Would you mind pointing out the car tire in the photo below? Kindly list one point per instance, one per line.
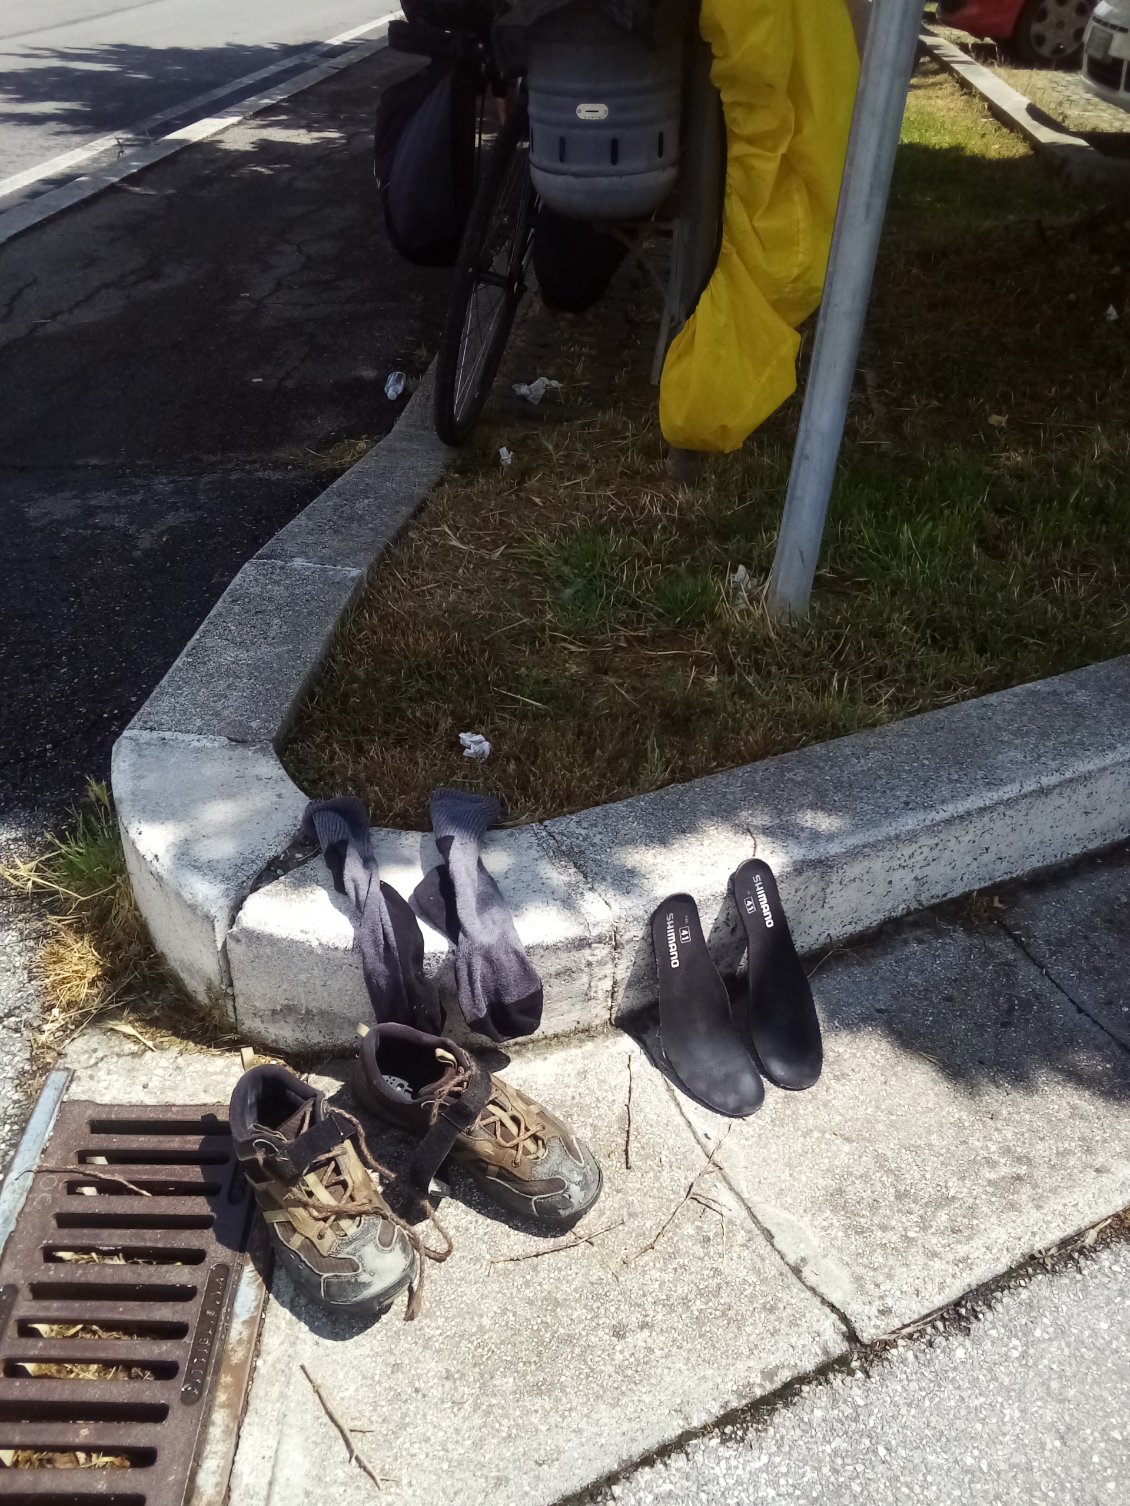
(1050, 32)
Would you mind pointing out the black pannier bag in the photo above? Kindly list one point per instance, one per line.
(574, 261)
(424, 160)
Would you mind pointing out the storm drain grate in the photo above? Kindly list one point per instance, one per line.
(116, 1290)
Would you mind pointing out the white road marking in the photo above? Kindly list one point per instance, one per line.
(112, 159)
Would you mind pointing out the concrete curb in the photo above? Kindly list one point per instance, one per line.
(1070, 154)
(202, 798)
(859, 830)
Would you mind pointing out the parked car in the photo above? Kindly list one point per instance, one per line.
(1106, 52)
(1039, 31)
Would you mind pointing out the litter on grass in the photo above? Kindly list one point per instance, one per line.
(395, 383)
(475, 745)
(534, 391)
(505, 456)
(740, 583)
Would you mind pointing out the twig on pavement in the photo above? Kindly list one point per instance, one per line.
(88, 1174)
(574, 1241)
(835, 951)
(686, 1197)
(355, 1454)
(715, 1207)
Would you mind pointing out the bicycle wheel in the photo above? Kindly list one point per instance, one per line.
(489, 282)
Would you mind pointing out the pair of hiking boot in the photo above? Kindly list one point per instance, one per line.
(322, 1192)
(714, 1059)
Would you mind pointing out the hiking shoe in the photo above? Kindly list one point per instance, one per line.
(519, 1153)
(322, 1203)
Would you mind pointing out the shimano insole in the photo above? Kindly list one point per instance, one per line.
(699, 1038)
(782, 1017)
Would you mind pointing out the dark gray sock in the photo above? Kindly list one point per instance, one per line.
(499, 992)
(388, 933)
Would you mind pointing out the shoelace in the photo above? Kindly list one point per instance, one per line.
(525, 1139)
(374, 1203)
(498, 1112)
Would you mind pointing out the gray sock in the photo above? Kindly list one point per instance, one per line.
(388, 933)
(500, 994)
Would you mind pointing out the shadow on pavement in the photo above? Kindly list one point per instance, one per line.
(86, 90)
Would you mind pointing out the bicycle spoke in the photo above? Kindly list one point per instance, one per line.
(494, 279)
(467, 377)
(495, 285)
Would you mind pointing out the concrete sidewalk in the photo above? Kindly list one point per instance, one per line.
(971, 1112)
(1022, 1401)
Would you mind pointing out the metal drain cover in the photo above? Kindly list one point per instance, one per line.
(117, 1284)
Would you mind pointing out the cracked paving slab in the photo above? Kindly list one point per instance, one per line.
(968, 1115)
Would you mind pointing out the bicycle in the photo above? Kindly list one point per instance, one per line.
(489, 277)
(495, 254)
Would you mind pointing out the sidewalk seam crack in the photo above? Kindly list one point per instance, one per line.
(825, 1301)
(1046, 972)
(766, 1233)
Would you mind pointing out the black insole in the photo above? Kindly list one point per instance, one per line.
(699, 1038)
(783, 1025)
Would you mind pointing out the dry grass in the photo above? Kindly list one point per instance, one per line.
(584, 615)
(25, 1458)
(96, 959)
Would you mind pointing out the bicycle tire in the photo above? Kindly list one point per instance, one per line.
(464, 376)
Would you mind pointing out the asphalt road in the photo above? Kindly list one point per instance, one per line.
(183, 365)
(1025, 1403)
(72, 70)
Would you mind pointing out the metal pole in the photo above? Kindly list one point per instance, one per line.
(888, 61)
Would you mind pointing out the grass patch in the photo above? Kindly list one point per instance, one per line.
(583, 613)
(96, 959)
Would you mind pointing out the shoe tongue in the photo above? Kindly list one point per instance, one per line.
(441, 1087)
(298, 1123)
(303, 1118)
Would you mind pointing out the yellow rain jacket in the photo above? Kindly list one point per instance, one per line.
(786, 71)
